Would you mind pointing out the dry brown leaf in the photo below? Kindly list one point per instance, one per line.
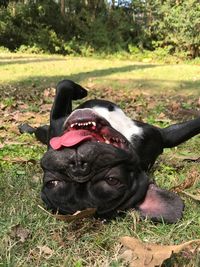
(19, 160)
(8, 143)
(45, 108)
(76, 216)
(188, 158)
(191, 178)
(49, 93)
(20, 232)
(149, 255)
(189, 112)
(187, 183)
(194, 197)
(175, 106)
(45, 251)
(194, 159)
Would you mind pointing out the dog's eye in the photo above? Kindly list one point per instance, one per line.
(52, 184)
(112, 181)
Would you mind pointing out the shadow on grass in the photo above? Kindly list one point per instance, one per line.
(39, 83)
(45, 81)
(26, 60)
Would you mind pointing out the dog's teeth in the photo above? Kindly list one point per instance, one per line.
(106, 140)
(72, 125)
(93, 123)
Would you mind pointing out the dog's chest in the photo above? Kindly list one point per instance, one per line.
(120, 122)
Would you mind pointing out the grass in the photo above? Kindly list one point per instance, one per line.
(155, 93)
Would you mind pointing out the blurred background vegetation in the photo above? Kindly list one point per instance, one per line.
(86, 27)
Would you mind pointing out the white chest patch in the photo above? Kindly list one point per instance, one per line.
(119, 121)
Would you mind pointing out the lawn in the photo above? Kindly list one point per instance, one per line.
(155, 93)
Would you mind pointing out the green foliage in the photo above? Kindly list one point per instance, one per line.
(179, 26)
(166, 27)
(4, 49)
(29, 49)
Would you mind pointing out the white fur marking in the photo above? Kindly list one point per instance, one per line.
(119, 121)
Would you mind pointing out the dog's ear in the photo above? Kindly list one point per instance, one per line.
(161, 205)
(66, 91)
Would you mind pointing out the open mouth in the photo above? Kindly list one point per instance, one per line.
(87, 125)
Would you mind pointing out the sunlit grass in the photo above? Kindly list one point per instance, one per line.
(42, 71)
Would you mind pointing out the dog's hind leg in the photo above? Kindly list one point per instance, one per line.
(66, 91)
(180, 132)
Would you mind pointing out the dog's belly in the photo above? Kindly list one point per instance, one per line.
(120, 122)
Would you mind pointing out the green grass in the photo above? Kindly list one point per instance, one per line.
(153, 92)
(41, 71)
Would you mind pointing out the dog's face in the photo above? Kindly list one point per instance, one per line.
(92, 165)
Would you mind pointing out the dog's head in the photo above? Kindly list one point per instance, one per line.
(91, 163)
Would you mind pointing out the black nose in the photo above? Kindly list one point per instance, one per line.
(79, 169)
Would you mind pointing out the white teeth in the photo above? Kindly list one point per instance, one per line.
(83, 124)
(89, 123)
(107, 142)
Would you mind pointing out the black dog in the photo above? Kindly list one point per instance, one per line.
(97, 157)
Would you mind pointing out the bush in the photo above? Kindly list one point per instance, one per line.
(29, 49)
(4, 49)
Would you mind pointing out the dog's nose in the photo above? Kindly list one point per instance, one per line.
(79, 169)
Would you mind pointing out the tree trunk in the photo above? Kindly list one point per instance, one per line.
(62, 7)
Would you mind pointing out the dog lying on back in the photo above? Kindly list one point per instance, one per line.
(97, 157)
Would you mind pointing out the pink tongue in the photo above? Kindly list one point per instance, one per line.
(70, 139)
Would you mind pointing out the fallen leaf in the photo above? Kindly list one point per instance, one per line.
(49, 93)
(8, 143)
(194, 159)
(19, 160)
(46, 251)
(20, 232)
(141, 254)
(190, 180)
(72, 217)
(189, 112)
(175, 106)
(45, 108)
(188, 158)
(194, 197)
